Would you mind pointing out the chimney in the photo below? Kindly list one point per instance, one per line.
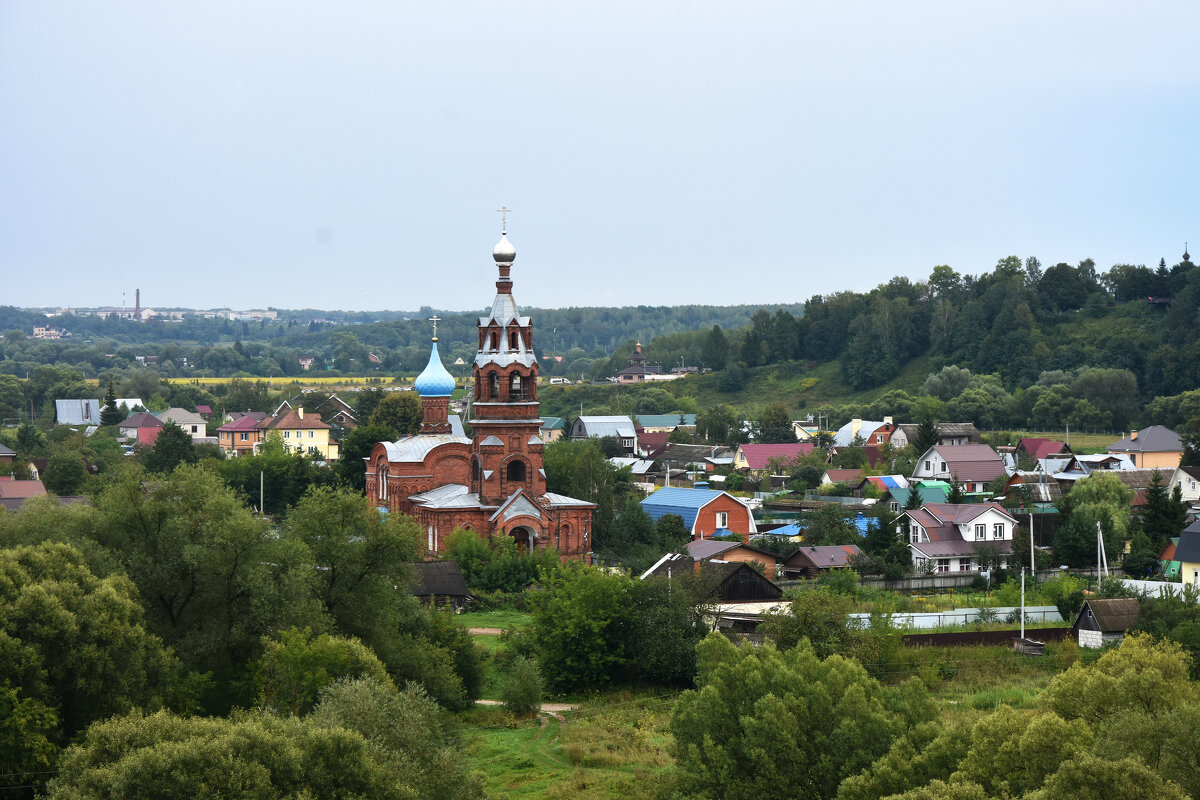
(300, 411)
(1133, 436)
(887, 421)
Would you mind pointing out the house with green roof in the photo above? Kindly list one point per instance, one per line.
(930, 492)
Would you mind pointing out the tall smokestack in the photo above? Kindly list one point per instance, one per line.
(137, 304)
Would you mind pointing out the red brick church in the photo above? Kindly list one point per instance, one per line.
(492, 482)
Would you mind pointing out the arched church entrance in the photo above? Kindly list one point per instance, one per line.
(525, 538)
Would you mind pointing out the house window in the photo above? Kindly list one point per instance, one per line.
(312, 434)
(998, 530)
(981, 531)
(943, 565)
(928, 467)
(722, 519)
(893, 506)
(243, 436)
(964, 565)
(879, 438)
(943, 466)
(287, 434)
(914, 533)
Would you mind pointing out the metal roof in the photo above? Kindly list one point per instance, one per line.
(664, 420)
(1111, 614)
(621, 427)
(412, 449)
(77, 412)
(686, 503)
(960, 547)
(1155, 439)
(1188, 548)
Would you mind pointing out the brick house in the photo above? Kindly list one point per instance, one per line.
(493, 482)
(705, 512)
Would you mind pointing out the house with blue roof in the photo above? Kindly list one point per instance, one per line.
(706, 512)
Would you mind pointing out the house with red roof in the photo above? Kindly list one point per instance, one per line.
(1038, 448)
(947, 537)
(240, 437)
(756, 457)
(142, 427)
(851, 476)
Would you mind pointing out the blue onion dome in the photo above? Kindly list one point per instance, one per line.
(435, 381)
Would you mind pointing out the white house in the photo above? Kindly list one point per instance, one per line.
(947, 536)
(599, 427)
(974, 466)
(1188, 481)
(192, 423)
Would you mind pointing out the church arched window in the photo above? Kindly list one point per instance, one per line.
(493, 385)
(494, 339)
(516, 471)
(475, 470)
(512, 340)
(514, 388)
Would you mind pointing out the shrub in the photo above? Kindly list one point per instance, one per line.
(521, 692)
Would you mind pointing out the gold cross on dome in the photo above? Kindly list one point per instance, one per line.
(504, 212)
(434, 319)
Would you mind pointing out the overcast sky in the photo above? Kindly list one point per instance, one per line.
(350, 155)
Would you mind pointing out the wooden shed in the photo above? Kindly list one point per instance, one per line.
(1102, 621)
(440, 583)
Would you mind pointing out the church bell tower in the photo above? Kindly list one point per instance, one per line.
(506, 450)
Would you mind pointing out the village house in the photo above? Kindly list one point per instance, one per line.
(810, 562)
(949, 433)
(724, 581)
(553, 429)
(303, 433)
(756, 458)
(599, 427)
(1188, 481)
(142, 427)
(974, 466)
(1155, 447)
(663, 423)
(638, 369)
(1104, 621)
(705, 512)
(1187, 553)
(192, 423)
(946, 537)
(240, 437)
(862, 432)
(733, 552)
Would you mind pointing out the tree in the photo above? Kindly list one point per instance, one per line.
(928, 753)
(1012, 753)
(110, 414)
(215, 578)
(521, 691)
(913, 501)
(578, 627)
(400, 412)
(766, 724)
(1144, 674)
(578, 469)
(715, 352)
(719, 424)
(956, 496)
(295, 666)
(1162, 516)
(927, 436)
(409, 731)
(1090, 777)
(139, 757)
(172, 447)
(775, 425)
(73, 644)
(65, 473)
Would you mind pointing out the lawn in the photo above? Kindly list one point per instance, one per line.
(608, 748)
(498, 618)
